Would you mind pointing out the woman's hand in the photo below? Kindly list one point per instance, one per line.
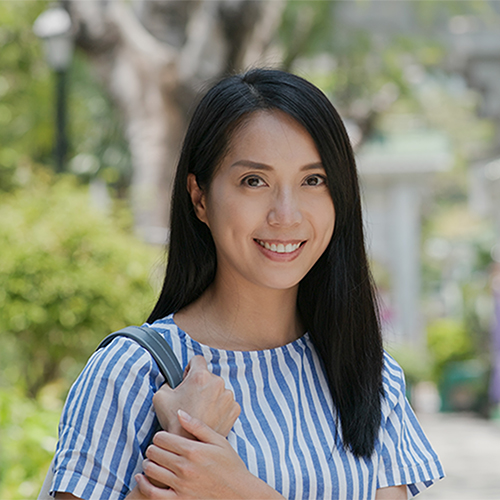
(203, 469)
(202, 395)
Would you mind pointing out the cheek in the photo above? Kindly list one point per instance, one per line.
(331, 223)
(324, 213)
(329, 229)
(229, 218)
(326, 225)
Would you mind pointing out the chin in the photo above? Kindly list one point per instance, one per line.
(281, 284)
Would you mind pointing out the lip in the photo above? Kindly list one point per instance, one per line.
(280, 257)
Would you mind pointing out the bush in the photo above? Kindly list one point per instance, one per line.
(28, 438)
(69, 277)
(448, 341)
(459, 370)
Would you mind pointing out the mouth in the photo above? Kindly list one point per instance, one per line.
(280, 247)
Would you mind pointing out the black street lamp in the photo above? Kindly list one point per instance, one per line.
(54, 27)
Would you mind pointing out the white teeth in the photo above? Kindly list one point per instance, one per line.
(279, 248)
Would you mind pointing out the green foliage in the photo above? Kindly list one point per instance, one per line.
(448, 341)
(27, 440)
(456, 269)
(68, 273)
(69, 276)
(25, 91)
(415, 364)
(305, 29)
(97, 146)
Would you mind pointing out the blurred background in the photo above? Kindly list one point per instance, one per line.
(94, 100)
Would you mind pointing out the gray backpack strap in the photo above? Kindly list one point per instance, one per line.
(157, 346)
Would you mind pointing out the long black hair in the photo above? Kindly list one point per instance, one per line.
(336, 299)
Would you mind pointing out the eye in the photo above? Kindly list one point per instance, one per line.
(253, 181)
(315, 180)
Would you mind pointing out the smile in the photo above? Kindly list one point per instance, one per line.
(280, 247)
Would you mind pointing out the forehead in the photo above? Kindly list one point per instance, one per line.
(272, 134)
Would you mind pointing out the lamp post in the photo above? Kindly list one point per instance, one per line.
(54, 27)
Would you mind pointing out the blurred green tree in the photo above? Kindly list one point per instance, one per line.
(69, 276)
(27, 109)
(368, 55)
(25, 92)
(448, 340)
(153, 58)
(27, 440)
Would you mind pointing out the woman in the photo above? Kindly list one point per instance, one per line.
(268, 280)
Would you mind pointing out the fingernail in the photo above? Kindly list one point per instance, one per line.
(185, 416)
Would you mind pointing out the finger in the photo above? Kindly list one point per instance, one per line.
(153, 492)
(197, 363)
(199, 429)
(201, 377)
(235, 411)
(164, 458)
(158, 473)
(162, 396)
(171, 442)
(156, 483)
(187, 369)
(162, 391)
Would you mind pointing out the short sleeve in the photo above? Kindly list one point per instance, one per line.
(107, 423)
(406, 456)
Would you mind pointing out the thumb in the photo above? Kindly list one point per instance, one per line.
(196, 363)
(198, 429)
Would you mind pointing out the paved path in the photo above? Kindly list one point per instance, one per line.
(469, 449)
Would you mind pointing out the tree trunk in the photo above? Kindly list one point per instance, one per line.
(154, 56)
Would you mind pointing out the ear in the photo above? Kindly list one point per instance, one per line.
(198, 198)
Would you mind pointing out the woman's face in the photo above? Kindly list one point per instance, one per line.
(268, 206)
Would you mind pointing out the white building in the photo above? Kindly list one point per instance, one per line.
(395, 175)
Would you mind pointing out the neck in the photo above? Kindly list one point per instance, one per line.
(228, 316)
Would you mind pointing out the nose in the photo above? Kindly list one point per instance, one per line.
(285, 209)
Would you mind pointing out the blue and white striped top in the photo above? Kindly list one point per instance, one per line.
(286, 433)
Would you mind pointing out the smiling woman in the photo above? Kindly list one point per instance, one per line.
(268, 281)
(268, 208)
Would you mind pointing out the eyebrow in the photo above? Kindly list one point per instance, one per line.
(263, 166)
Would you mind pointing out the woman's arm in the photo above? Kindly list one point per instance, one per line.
(392, 493)
(135, 494)
(202, 393)
(191, 468)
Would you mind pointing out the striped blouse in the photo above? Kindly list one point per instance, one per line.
(286, 433)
